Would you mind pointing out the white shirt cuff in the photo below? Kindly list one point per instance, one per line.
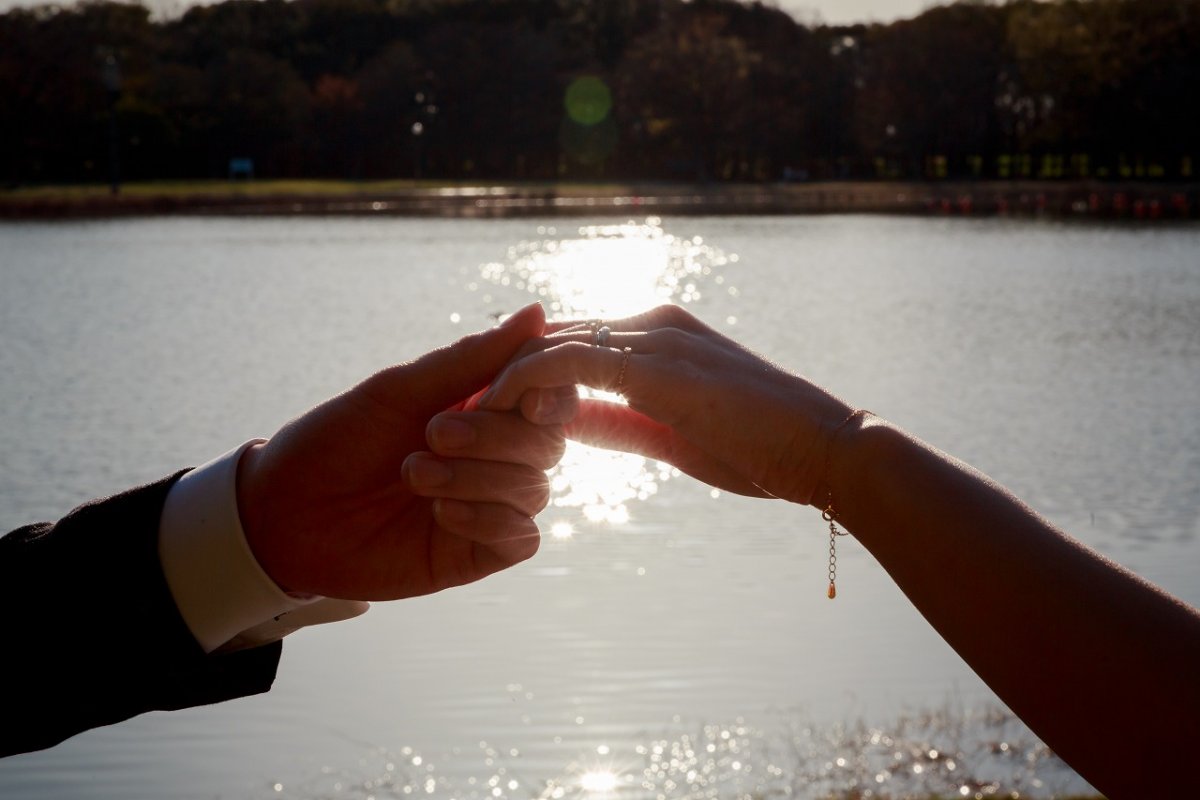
(218, 586)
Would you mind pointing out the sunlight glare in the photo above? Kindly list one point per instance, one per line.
(598, 781)
(608, 272)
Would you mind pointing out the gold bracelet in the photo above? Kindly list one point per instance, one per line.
(619, 384)
(829, 514)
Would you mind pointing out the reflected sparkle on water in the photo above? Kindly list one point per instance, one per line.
(608, 272)
(928, 754)
(598, 781)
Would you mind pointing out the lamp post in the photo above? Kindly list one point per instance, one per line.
(110, 76)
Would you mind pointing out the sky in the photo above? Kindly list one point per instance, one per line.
(843, 11)
(829, 11)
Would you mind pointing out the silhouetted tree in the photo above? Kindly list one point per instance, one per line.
(706, 89)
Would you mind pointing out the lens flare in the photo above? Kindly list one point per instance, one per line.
(588, 100)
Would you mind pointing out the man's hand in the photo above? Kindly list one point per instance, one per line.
(332, 504)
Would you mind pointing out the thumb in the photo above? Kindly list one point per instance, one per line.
(448, 375)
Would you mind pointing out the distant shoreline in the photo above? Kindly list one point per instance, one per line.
(1055, 199)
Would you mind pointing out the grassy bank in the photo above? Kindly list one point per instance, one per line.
(1145, 201)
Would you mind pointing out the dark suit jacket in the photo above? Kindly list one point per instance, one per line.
(89, 633)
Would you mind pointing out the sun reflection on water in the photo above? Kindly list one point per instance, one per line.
(598, 781)
(607, 272)
(930, 753)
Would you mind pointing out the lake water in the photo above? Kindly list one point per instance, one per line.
(675, 645)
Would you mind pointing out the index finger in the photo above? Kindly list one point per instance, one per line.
(667, 315)
(571, 363)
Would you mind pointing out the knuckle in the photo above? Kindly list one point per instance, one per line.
(574, 348)
(529, 405)
(672, 315)
(547, 454)
(674, 340)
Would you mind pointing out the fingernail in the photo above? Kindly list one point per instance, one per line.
(450, 433)
(453, 511)
(547, 404)
(426, 472)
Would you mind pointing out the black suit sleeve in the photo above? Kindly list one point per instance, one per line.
(90, 633)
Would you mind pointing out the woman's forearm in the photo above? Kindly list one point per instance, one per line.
(1102, 665)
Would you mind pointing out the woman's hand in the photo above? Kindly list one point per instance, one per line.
(697, 400)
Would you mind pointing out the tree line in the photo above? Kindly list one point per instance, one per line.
(598, 89)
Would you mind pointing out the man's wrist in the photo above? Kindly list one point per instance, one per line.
(216, 581)
(248, 507)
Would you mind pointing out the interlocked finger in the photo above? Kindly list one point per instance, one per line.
(520, 487)
(491, 436)
(570, 363)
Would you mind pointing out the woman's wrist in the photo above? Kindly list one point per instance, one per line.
(858, 461)
(819, 418)
(845, 459)
(792, 431)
